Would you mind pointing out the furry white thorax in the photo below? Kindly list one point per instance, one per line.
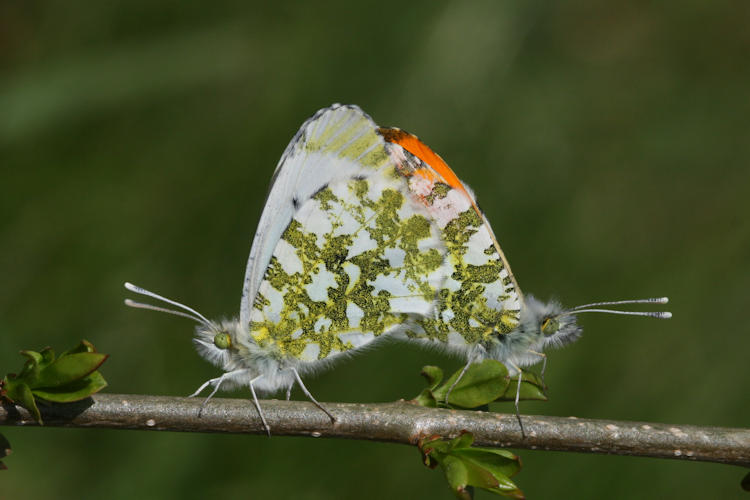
(244, 354)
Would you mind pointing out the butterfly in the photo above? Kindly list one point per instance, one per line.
(367, 234)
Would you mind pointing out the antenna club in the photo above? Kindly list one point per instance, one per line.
(665, 315)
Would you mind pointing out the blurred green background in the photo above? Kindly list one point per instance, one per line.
(608, 143)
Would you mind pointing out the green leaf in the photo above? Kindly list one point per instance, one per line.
(457, 476)
(435, 444)
(25, 398)
(48, 356)
(463, 440)
(83, 346)
(498, 462)
(33, 356)
(37, 361)
(433, 374)
(488, 480)
(463, 474)
(532, 388)
(482, 478)
(482, 383)
(31, 368)
(73, 391)
(466, 467)
(68, 368)
(426, 398)
(12, 388)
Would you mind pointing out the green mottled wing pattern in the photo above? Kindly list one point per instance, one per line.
(478, 299)
(360, 259)
(337, 142)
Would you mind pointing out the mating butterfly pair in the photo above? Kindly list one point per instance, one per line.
(368, 234)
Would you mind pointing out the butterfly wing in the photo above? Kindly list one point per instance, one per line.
(333, 142)
(480, 297)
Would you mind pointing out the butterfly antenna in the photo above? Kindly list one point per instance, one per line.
(592, 307)
(141, 305)
(194, 315)
(658, 315)
(656, 300)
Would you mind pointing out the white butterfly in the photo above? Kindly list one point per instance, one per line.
(368, 234)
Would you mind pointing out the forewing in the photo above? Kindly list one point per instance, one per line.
(480, 297)
(361, 258)
(337, 142)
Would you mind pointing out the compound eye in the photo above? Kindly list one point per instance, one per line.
(223, 340)
(550, 326)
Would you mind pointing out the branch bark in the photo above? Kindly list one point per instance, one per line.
(398, 422)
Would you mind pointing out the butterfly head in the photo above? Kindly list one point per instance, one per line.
(550, 323)
(557, 327)
(216, 342)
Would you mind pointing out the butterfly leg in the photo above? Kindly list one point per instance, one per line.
(310, 396)
(216, 383)
(460, 376)
(257, 405)
(544, 367)
(289, 393)
(205, 384)
(518, 395)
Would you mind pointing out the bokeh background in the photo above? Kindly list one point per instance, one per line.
(608, 143)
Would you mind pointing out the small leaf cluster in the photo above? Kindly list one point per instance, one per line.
(69, 377)
(466, 467)
(481, 384)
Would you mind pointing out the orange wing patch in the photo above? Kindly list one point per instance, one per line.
(439, 171)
